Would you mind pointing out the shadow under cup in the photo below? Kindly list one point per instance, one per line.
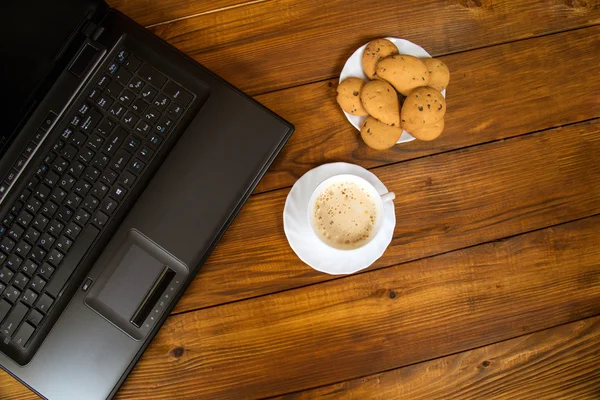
(372, 193)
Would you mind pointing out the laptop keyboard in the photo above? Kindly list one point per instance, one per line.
(91, 169)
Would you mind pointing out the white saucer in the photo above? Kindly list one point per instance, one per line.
(307, 245)
(353, 68)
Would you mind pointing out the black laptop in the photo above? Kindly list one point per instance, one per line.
(122, 163)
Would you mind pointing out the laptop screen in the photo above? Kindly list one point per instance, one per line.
(33, 34)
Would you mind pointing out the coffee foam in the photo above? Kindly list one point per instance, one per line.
(344, 215)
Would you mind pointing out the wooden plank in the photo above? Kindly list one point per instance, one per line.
(558, 363)
(152, 12)
(444, 202)
(376, 321)
(278, 44)
(495, 93)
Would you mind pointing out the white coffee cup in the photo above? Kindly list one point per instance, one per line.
(370, 189)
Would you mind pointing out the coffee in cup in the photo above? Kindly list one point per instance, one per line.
(345, 211)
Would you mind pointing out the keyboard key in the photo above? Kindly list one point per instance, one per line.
(108, 205)
(102, 82)
(76, 169)
(46, 241)
(118, 192)
(73, 201)
(100, 219)
(33, 205)
(20, 281)
(13, 262)
(28, 268)
(151, 115)
(151, 75)
(117, 110)
(176, 92)
(82, 216)
(132, 63)
(76, 120)
(13, 320)
(148, 93)
(78, 139)
(135, 84)
(37, 254)
(95, 141)
(60, 164)
(122, 76)
(44, 303)
(22, 249)
(72, 260)
(122, 56)
(132, 144)
(29, 297)
(90, 121)
(35, 317)
(154, 141)
(64, 214)
(5, 307)
(95, 92)
(11, 176)
(73, 230)
(112, 68)
(51, 178)
(130, 119)
(112, 144)
(64, 243)
(22, 160)
(126, 179)
(55, 228)
(120, 160)
(109, 176)
(100, 160)
(161, 102)
(83, 109)
(81, 188)
(42, 191)
(24, 218)
(25, 195)
(67, 181)
(139, 106)
(105, 127)
(104, 102)
(23, 335)
(16, 207)
(100, 190)
(46, 271)
(90, 203)
(143, 128)
(15, 232)
(58, 194)
(41, 171)
(49, 209)
(91, 174)
(12, 294)
(37, 138)
(136, 166)
(6, 274)
(127, 98)
(6, 245)
(163, 125)
(33, 182)
(40, 222)
(113, 89)
(37, 284)
(55, 257)
(8, 220)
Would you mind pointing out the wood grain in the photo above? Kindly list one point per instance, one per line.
(444, 202)
(376, 321)
(495, 93)
(282, 43)
(558, 363)
(152, 12)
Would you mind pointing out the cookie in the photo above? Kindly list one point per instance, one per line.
(425, 131)
(423, 106)
(377, 135)
(381, 101)
(404, 72)
(375, 51)
(439, 74)
(349, 96)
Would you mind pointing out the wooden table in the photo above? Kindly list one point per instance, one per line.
(491, 286)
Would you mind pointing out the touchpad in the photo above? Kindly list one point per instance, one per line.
(137, 283)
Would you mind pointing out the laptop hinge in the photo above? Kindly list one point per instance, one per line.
(93, 31)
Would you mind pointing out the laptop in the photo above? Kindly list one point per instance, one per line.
(122, 162)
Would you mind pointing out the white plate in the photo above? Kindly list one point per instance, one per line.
(353, 68)
(305, 242)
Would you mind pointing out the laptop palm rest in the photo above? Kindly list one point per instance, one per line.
(136, 285)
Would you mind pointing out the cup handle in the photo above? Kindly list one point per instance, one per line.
(388, 197)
